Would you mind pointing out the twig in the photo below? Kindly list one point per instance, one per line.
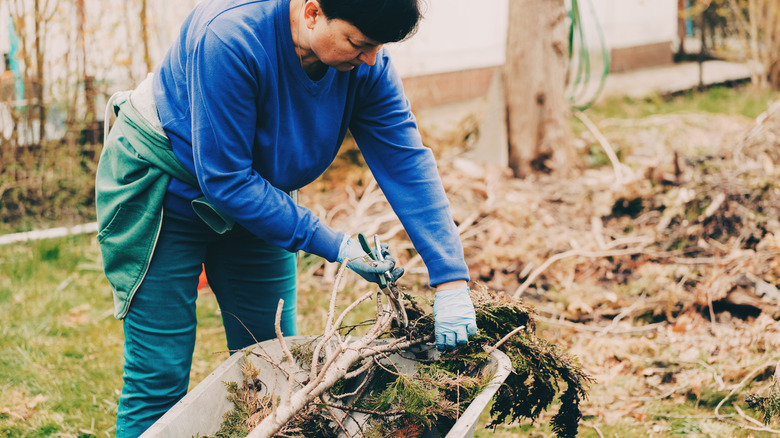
(662, 396)
(332, 327)
(594, 427)
(336, 418)
(761, 427)
(490, 350)
(457, 389)
(266, 357)
(715, 376)
(332, 301)
(585, 327)
(574, 252)
(743, 383)
(333, 370)
(688, 417)
(379, 364)
(367, 367)
(364, 411)
(621, 315)
(747, 417)
(287, 353)
(618, 167)
(244, 325)
(711, 309)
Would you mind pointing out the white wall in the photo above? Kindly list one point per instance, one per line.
(628, 23)
(466, 34)
(454, 35)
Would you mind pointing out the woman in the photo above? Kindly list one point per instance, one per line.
(252, 102)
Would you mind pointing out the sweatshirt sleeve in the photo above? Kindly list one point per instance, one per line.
(224, 116)
(387, 135)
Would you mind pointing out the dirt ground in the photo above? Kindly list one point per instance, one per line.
(658, 272)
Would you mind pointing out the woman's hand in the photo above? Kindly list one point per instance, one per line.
(365, 265)
(453, 315)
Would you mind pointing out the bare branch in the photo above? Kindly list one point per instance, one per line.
(287, 353)
(571, 253)
(490, 350)
(744, 381)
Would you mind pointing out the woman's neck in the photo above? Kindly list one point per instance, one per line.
(308, 59)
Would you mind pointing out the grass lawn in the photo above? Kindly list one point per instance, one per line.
(61, 347)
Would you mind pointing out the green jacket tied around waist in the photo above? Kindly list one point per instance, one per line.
(135, 167)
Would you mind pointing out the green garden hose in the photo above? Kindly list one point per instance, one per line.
(579, 70)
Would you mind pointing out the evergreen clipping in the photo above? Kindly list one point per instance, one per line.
(437, 392)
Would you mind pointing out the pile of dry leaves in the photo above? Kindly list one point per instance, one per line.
(661, 273)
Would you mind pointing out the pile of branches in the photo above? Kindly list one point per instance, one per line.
(345, 385)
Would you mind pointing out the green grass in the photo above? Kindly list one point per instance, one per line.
(742, 100)
(60, 346)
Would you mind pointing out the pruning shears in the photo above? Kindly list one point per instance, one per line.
(386, 282)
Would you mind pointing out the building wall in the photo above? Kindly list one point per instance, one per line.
(639, 33)
(631, 23)
(460, 43)
(458, 46)
(454, 35)
(464, 34)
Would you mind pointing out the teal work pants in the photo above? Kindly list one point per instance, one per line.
(248, 277)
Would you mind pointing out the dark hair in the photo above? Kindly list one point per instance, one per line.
(384, 21)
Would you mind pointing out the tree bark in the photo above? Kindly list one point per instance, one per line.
(145, 37)
(535, 80)
(39, 73)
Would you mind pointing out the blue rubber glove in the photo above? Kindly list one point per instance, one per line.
(364, 265)
(454, 318)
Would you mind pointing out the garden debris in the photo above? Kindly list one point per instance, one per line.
(687, 229)
(678, 264)
(768, 405)
(431, 396)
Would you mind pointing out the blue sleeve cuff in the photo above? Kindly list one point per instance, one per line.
(325, 243)
(445, 270)
(342, 249)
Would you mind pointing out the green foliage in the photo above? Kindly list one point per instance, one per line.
(717, 100)
(47, 184)
(248, 407)
(438, 392)
(303, 353)
(432, 396)
(768, 406)
(540, 370)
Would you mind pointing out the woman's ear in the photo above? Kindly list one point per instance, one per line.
(312, 12)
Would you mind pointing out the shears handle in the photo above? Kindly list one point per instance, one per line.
(367, 248)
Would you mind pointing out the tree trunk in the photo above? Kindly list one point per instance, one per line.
(39, 59)
(681, 27)
(535, 80)
(145, 36)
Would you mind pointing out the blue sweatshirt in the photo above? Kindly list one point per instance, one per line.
(246, 120)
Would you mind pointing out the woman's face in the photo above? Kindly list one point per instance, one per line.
(338, 43)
